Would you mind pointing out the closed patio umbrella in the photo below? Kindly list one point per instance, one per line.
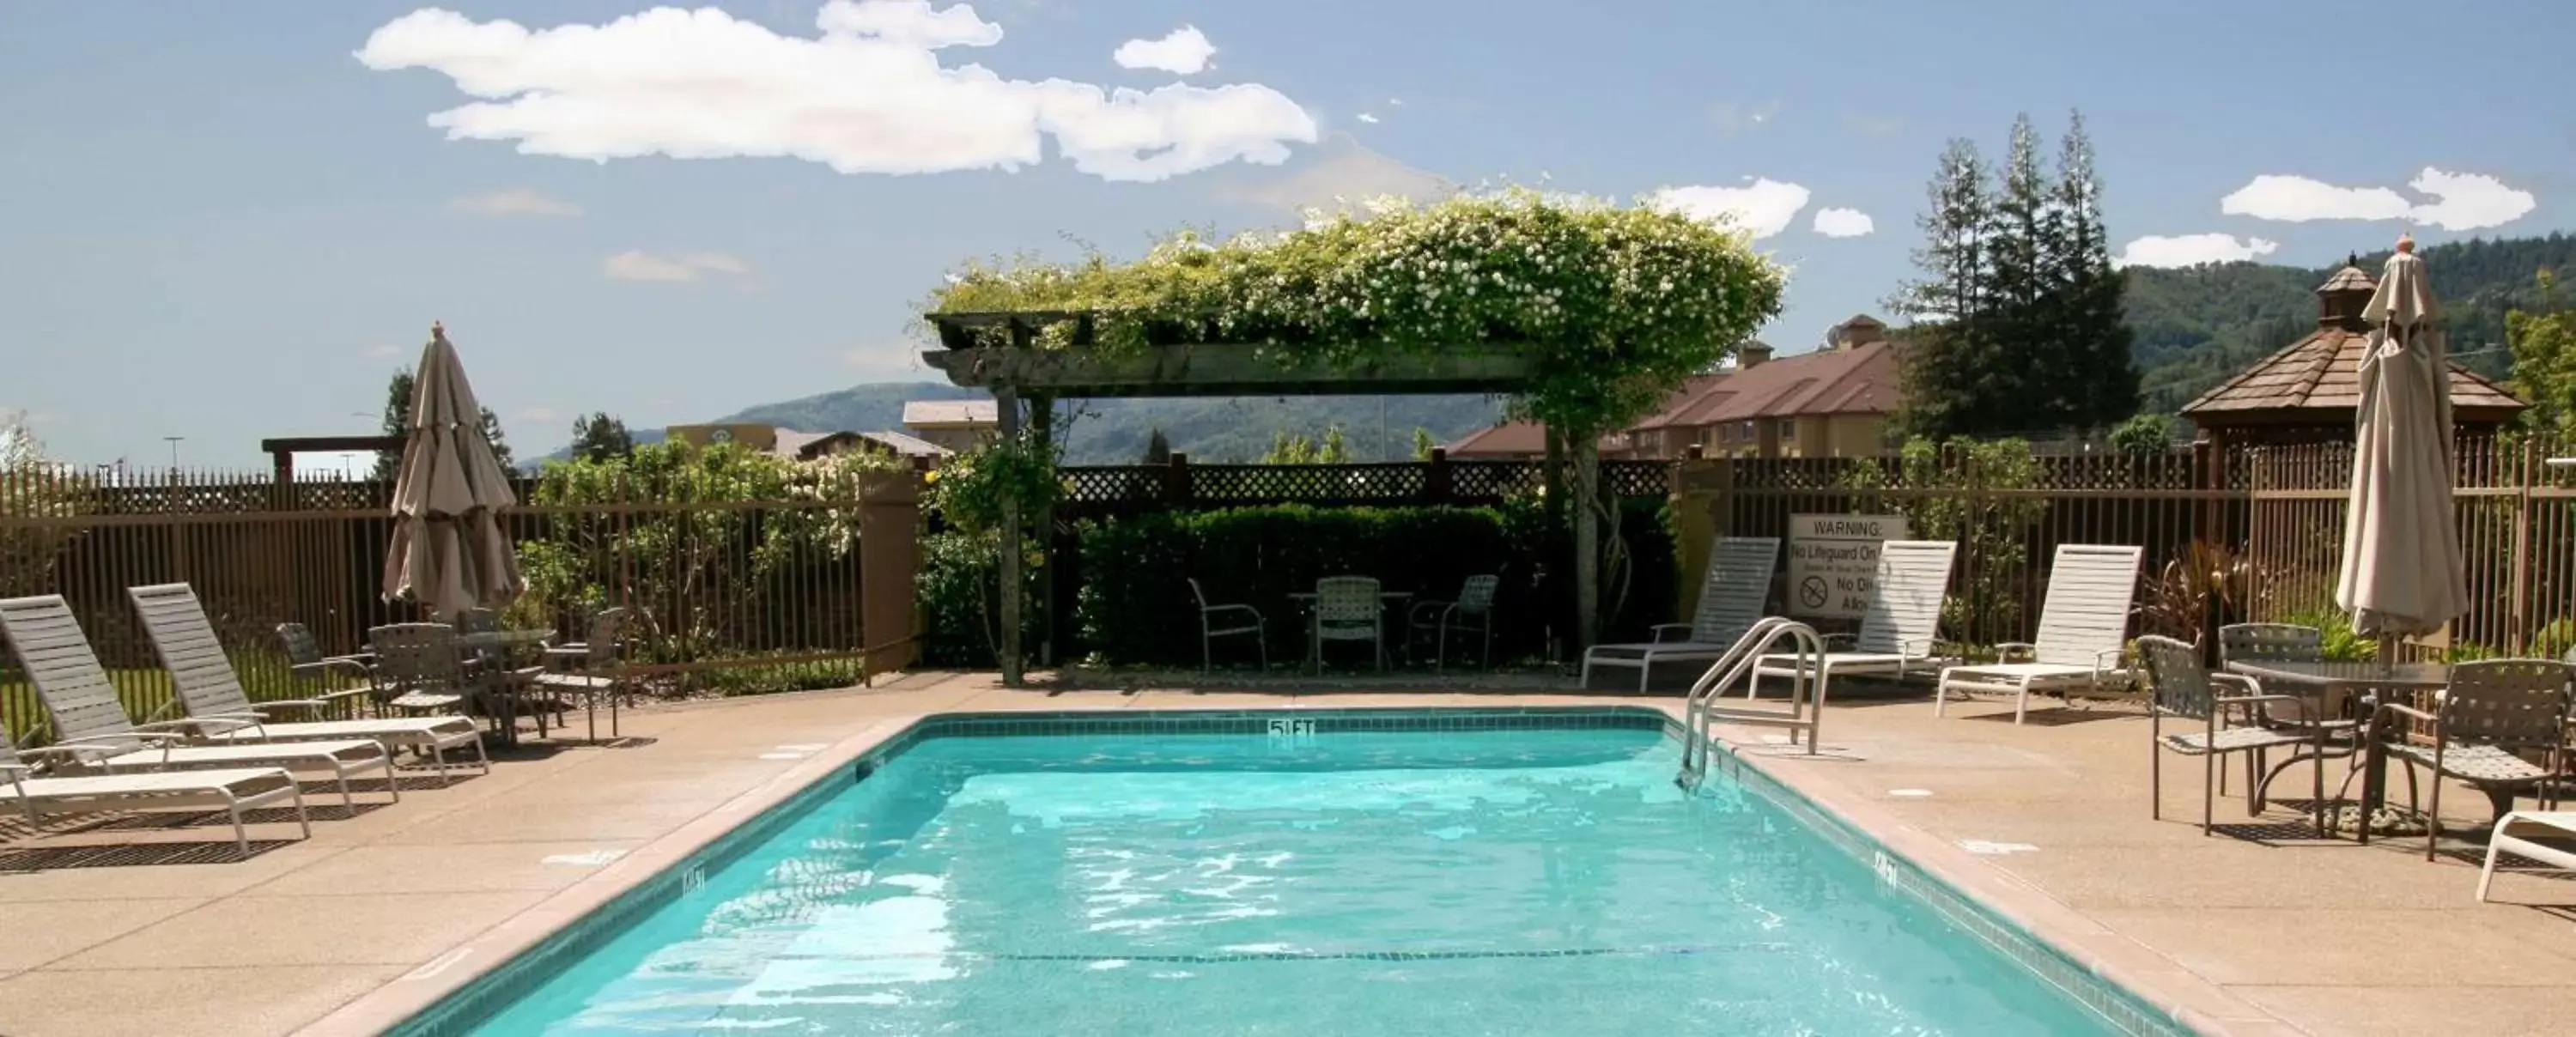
(2402, 573)
(449, 552)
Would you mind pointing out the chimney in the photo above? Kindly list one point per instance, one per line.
(2342, 298)
(1751, 354)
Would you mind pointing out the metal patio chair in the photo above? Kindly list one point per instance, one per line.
(2179, 687)
(1217, 621)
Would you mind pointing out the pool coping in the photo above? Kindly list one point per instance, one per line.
(408, 1002)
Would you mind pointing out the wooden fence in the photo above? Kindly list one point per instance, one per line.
(1103, 490)
(732, 595)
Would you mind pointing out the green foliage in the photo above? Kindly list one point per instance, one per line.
(1423, 444)
(960, 596)
(2544, 360)
(970, 489)
(1135, 605)
(2143, 434)
(1288, 449)
(1994, 532)
(599, 437)
(1613, 306)
(2340, 643)
(695, 575)
(2026, 329)
(33, 486)
(2196, 326)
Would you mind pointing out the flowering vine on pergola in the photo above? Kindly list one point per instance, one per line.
(1585, 314)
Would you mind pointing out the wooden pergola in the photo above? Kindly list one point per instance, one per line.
(1023, 370)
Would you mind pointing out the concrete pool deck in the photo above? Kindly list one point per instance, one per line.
(2261, 929)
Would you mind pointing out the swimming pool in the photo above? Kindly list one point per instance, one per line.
(1323, 873)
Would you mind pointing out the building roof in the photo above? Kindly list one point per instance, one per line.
(1509, 439)
(1861, 379)
(807, 445)
(2317, 380)
(919, 413)
(908, 446)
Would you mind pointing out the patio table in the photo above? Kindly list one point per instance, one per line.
(2328, 679)
(1307, 599)
(504, 706)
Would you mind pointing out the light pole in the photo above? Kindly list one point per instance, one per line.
(174, 450)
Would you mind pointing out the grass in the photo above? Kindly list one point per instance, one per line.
(144, 692)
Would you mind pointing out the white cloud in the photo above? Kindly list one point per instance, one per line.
(2193, 250)
(1338, 177)
(1367, 118)
(1764, 207)
(639, 265)
(2463, 201)
(1182, 52)
(869, 95)
(1734, 117)
(515, 201)
(1843, 223)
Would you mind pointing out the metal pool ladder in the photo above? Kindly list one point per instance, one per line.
(1806, 704)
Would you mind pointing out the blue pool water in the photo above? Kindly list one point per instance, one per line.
(1402, 883)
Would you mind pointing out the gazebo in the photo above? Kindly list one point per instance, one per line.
(1022, 370)
(2309, 392)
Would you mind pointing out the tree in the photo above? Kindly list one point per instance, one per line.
(2095, 362)
(1158, 448)
(33, 486)
(600, 437)
(1423, 444)
(1288, 449)
(2027, 331)
(2544, 360)
(2143, 434)
(397, 422)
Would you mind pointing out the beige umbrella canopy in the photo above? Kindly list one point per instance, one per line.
(449, 552)
(2401, 545)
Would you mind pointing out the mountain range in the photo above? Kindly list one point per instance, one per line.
(2194, 326)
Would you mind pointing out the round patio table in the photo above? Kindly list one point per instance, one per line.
(2328, 678)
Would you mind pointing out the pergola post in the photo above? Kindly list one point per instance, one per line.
(1042, 437)
(1587, 540)
(1006, 405)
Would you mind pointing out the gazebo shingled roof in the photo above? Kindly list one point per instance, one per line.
(2315, 383)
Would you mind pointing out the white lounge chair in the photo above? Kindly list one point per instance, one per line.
(90, 726)
(231, 790)
(204, 687)
(1898, 627)
(1730, 602)
(2083, 626)
(2518, 832)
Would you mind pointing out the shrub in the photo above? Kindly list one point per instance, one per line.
(1135, 607)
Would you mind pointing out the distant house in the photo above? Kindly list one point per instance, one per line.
(806, 446)
(1832, 402)
(954, 424)
(2310, 391)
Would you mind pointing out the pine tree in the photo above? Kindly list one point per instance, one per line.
(599, 437)
(492, 435)
(2097, 361)
(1158, 448)
(397, 422)
(1950, 352)
(1333, 450)
(2018, 392)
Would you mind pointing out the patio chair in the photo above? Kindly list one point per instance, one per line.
(1471, 613)
(2286, 642)
(208, 692)
(231, 790)
(1730, 602)
(2180, 688)
(419, 666)
(2520, 832)
(2494, 712)
(305, 662)
(1217, 621)
(1897, 627)
(2081, 624)
(1348, 608)
(91, 729)
(592, 669)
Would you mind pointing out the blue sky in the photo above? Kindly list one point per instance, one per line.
(222, 223)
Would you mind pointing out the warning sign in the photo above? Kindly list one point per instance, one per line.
(1833, 562)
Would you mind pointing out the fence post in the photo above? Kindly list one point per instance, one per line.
(1435, 478)
(1176, 479)
(2526, 471)
(889, 561)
